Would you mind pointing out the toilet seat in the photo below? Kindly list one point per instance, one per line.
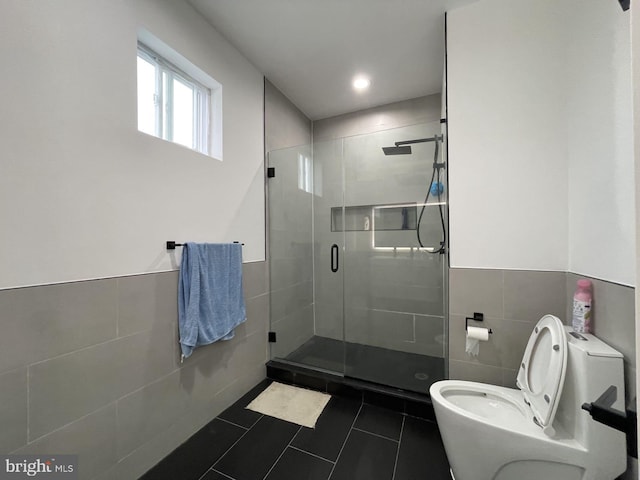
(542, 371)
(487, 403)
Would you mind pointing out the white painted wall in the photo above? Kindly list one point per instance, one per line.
(83, 194)
(600, 142)
(507, 147)
(541, 166)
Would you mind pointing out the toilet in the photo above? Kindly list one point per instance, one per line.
(537, 431)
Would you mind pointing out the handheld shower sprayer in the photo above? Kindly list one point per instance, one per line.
(435, 189)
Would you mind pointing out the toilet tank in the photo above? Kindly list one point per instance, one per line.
(592, 366)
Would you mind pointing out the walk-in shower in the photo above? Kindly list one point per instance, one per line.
(357, 251)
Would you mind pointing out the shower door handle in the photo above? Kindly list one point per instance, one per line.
(335, 258)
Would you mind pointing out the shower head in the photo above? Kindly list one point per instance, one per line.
(397, 150)
(404, 148)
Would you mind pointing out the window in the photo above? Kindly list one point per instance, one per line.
(174, 106)
(304, 173)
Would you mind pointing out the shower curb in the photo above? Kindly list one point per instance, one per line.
(402, 401)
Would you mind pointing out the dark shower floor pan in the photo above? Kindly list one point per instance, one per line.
(392, 368)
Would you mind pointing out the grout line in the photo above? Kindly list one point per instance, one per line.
(312, 454)
(93, 345)
(117, 302)
(503, 299)
(376, 434)
(221, 473)
(294, 437)
(345, 441)
(103, 407)
(203, 475)
(235, 424)
(282, 453)
(395, 465)
(28, 402)
(435, 422)
(117, 403)
(228, 449)
(261, 415)
(414, 328)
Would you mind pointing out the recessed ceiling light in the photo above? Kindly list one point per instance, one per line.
(361, 83)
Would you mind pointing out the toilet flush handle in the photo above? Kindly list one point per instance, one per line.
(602, 411)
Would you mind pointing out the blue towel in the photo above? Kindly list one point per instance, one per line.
(210, 299)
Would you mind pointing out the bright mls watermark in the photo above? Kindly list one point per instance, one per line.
(46, 467)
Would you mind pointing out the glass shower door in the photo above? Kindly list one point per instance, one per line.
(357, 282)
(393, 288)
(305, 256)
(328, 249)
(290, 249)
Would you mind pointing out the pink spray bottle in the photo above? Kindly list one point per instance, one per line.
(582, 302)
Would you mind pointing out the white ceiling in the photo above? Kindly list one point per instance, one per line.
(312, 49)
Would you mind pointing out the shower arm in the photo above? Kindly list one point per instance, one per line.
(420, 140)
(437, 138)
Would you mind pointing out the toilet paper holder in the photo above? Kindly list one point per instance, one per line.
(477, 317)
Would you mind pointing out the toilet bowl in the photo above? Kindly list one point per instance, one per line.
(537, 431)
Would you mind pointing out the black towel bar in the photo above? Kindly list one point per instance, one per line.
(171, 245)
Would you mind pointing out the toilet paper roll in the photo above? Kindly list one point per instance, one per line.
(478, 333)
(475, 335)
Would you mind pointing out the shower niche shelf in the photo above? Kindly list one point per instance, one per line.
(362, 218)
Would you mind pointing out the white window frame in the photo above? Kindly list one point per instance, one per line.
(166, 73)
(207, 101)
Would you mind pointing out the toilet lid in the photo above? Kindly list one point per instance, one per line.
(541, 374)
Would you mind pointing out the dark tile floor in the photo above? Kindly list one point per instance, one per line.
(352, 441)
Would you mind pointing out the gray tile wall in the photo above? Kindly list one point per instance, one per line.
(399, 114)
(285, 125)
(613, 321)
(395, 300)
(92, 368)
(512, 302)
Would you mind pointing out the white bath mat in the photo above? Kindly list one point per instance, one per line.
(293, 404)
